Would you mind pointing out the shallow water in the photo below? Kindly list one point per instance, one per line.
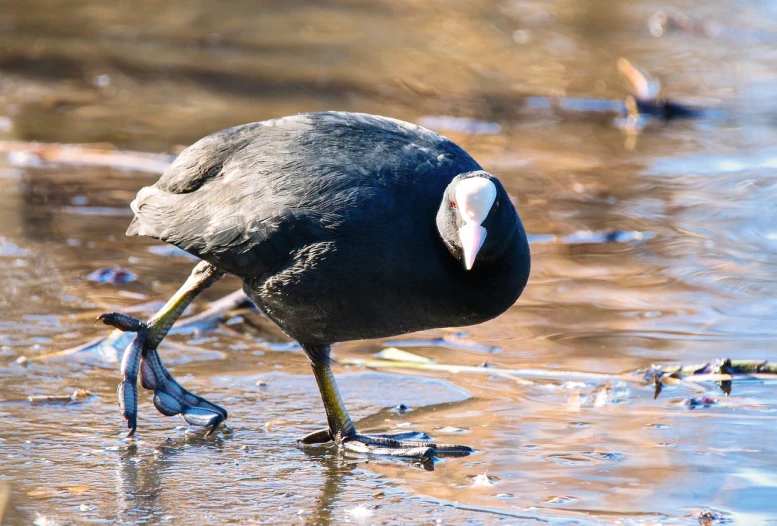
(700, 286)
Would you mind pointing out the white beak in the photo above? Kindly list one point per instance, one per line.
(475, 197)
(472, 237)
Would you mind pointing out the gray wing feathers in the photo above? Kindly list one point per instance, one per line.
(220, 201)
(248, 197)
(220, 231)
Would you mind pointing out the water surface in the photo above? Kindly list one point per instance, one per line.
(157, 76)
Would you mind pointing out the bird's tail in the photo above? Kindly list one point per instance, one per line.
(147, 213)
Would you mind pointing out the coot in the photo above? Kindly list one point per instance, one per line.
(342, 226)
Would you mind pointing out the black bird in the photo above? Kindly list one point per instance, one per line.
(342, 226)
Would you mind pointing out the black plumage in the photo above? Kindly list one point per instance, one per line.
(330, 219)
(342, 226)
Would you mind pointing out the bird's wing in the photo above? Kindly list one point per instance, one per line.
(225, 200)
(247, 197)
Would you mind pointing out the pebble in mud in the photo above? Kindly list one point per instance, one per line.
(23, 361)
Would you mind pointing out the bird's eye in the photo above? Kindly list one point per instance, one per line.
(496, 206)
(453, 204)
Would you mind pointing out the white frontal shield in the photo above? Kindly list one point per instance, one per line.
(474, 198)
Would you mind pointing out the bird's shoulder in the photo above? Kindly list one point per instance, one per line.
(247, 197)
(300, 150)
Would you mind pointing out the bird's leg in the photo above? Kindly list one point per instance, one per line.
(342, 431)
(141, 356)
(340, 424)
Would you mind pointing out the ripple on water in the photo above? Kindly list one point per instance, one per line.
(560, 500)
(10, 249)
(658, 426)
(608, 456)
(280, 346)
(569, 459)
(450, 430)
(600, 299)
(256, 481)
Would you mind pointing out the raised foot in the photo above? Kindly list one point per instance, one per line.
(413, 445)
(170, 397)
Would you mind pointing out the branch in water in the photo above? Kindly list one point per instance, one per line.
(722, 371)
(30, 154)
(112, 344)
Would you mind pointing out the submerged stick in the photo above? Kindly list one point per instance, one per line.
(202, 321)
(690, 376)
(470, 369)
(79, 396)
(723, 371)
(40, 154)
(708, 368)
(645, 96)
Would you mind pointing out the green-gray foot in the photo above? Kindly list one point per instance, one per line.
(413, 445)
(170, 398)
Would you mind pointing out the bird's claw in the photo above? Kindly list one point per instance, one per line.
(412, 445)
(170, 397)
(130, 365)
(128, 401)
(123, 322)
(322, 436)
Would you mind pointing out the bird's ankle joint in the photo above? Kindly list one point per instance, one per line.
(340, 436)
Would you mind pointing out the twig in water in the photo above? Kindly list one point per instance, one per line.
(689, 376)
(723, 371)
(114, 340)
(40, 154)
(491, 371)
(5, 497)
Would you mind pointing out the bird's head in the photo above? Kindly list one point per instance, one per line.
(476, 219)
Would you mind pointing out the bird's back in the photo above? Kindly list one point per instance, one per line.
(330, 219)
(248, 197)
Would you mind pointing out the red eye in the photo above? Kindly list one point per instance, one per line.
(453, 204)
(496, 206)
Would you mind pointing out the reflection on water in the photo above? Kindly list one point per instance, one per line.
(700, 284)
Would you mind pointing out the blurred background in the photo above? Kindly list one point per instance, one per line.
(654, 240)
